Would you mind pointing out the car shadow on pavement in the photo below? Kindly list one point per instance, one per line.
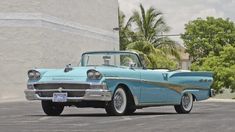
(105, 115)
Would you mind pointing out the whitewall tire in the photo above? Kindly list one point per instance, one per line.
(186, 104)
(118, 105)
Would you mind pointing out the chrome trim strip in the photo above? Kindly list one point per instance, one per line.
(176, 87)
(155, 104)
(60, 90)
(64, 82)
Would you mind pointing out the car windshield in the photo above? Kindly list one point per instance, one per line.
(111, 59)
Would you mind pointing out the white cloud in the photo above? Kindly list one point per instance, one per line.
(208, 12)
(127, 6)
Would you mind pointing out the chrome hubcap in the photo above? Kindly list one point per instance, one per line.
(118, 101)
(187, 101)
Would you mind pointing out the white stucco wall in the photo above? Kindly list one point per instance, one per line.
(50, 33)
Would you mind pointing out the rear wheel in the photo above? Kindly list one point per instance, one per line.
(186, 104)
(118, 104)
(51, 108)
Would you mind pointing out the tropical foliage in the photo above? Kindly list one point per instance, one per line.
(154, 58)
(142, 32)
(210, 35)
(211, 44)
(126, 34)
(223, 67)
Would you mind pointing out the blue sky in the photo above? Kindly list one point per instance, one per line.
(179, 12)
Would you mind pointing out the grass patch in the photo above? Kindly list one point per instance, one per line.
(233, 98)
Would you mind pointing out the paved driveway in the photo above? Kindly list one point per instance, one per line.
(205, 117)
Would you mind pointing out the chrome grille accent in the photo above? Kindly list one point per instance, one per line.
(63, 86)
(70, 93)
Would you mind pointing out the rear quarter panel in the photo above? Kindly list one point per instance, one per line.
(197, 83)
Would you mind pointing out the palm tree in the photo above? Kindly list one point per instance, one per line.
(154, 58)
(150, 25)
(125, 30)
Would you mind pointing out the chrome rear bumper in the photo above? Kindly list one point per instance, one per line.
(212, 93)
(90, 94)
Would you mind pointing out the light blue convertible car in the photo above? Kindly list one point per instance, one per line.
(118, 82)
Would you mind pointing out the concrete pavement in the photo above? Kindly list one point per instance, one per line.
(205, 117)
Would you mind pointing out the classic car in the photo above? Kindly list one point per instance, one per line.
(118, 82)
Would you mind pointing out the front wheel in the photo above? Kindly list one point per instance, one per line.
(51, 108)
(118, 104)
(186, 104)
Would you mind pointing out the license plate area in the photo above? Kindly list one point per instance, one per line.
(60, 97)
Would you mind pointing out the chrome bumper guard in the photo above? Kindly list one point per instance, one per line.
(91, 94)
(212, 93)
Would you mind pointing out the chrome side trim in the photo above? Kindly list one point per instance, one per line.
(176, 87)
(155, 104)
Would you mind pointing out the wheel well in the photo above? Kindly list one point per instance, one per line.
(128, 92)
(194, 97)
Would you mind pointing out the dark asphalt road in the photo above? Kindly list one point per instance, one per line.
(205, 117)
